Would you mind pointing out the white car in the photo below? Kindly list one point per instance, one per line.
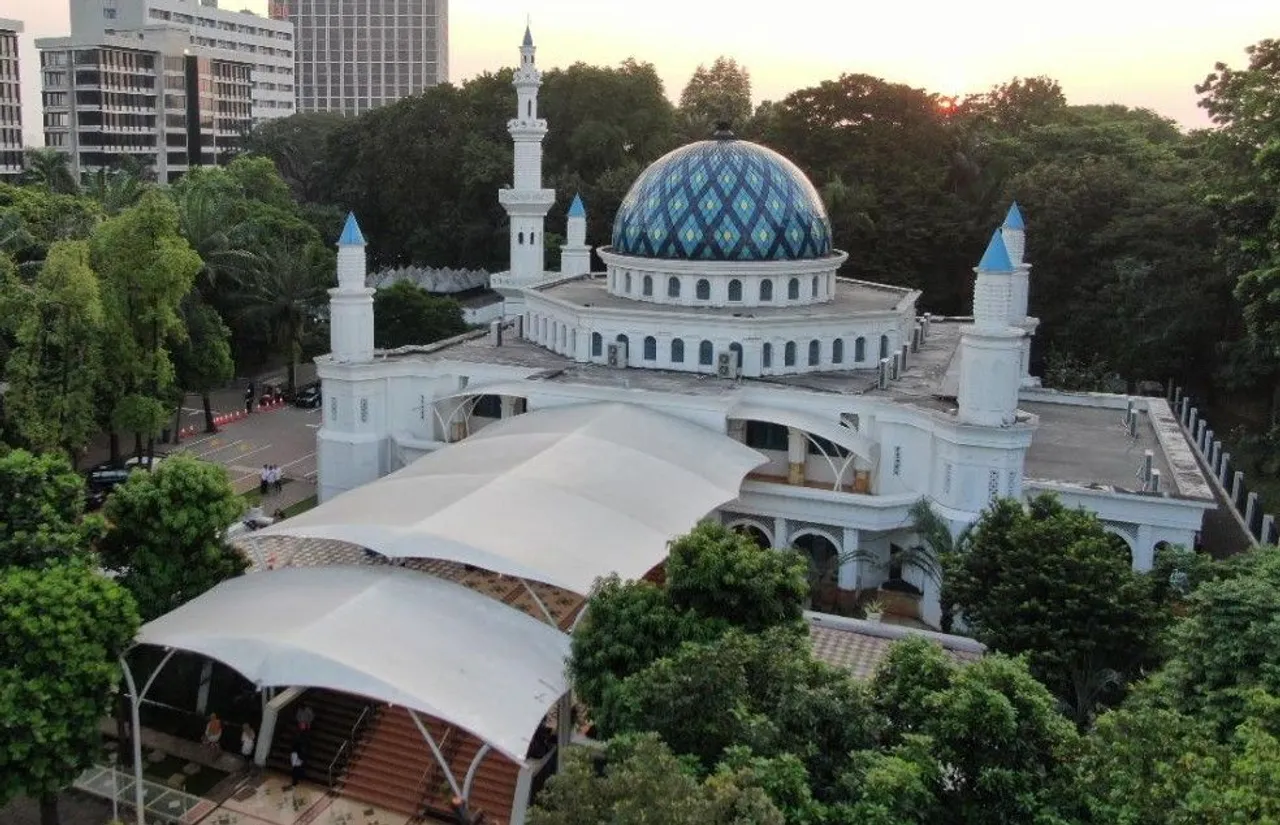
(252, 520)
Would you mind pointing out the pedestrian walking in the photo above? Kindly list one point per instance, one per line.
(277, 478)
(264, 480)
(248, 398)
(297, 767)
(248, 739)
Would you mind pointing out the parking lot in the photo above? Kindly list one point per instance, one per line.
(284, 436)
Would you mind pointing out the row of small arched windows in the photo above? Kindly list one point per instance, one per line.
(520, 237)
(706, 351)
(702, 289)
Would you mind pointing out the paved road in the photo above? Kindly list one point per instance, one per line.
(285, 437)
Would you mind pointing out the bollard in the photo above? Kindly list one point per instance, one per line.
(1237, 482)
(1268, 529)
(1223, 469)
(1214, 455)
(1250, 509)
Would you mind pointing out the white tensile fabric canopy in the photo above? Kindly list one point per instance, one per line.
(390, 634)
(841, 436)
(562, 495)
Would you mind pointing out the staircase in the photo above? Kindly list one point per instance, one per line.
(327, 742)
(394, 769)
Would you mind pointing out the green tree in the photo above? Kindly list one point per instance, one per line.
(643, 783)
(202, 360)
(166, 533)
(41, 510)
(298, 146)
(50, 170)
(404, 313)
(719, 573)
(146, 268)
(36, 218)
(284, 294)
(1051, 583)
(61, 629)
(719, 93)
(55, 368)
(115, 189)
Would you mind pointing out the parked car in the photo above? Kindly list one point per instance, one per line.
(254, 519)
(308, 396)
(105, 477)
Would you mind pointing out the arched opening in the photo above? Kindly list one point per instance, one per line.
(597, 345)
(626, 280)
(735, 290)
(753, 531)
(815, 353)
(520, 237)
(528, 109)
(884, 346)
(789, 354)
(766, 290)
(706, 353)
(793, 289)
(650, 348)
(859, 350)
(736, 349)
(677, 351)
(621, 339)
(646, 286)
(530, 237)
(703, 290)
(766, 355)
(564, 336)
(673, 287)
(815, 286)
(837, 351)
(824, 567)
(1120, 543)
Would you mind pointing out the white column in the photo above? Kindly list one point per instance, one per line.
(850, 574)
(797, 452)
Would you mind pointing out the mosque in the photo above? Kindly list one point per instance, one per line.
(721, 307)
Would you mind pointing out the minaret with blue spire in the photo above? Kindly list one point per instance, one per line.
(351, 304)
(1014, 231)
(991, 349)
(575, 255)
(526, 201)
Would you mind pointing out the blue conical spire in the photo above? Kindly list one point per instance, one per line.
(996, 258)
(576, 209)
(351, 234)
(1014, 219)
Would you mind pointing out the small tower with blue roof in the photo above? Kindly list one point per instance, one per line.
(991, 349)
(575, 255)
(351, 304)
(1014, 231)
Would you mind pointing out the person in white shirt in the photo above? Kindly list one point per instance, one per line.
(296, 770)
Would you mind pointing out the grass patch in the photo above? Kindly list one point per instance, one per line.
(300, 506)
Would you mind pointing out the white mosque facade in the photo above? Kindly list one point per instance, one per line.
(721, 304)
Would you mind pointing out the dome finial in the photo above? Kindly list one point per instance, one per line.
(724, 131)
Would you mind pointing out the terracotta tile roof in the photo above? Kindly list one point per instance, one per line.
(859, 646)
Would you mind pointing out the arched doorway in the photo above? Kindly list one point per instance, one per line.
(753, 531)
(824, 568)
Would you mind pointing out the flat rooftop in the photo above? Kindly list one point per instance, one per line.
(851, 297)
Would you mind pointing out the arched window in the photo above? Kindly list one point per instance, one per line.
(884, 346)
(859, 350)
(597, 345)
(793, 289)
(736, 347)
(815, 286)
(544, 331)
(529, 109)
(705, 353)
(766, 290)
(673, 287)
(677, 351)
(573, 342)
(789, 354)
(837, 351)
(627, 283)
(815, 353)
(520, 236)
(621, 339)
(530, 237)
(646, 286)
(766, 356)
(735, 290)
(650, 348)
(703, 290)
(526, 329)
(564, 337)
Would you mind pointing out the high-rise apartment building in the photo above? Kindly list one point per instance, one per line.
(144, 94)
(357, 55)
(264, 43)
(10, 101)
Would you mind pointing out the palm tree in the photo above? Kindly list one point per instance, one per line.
(221, 241)
(284, 292)
(52, 170)
(115, 189)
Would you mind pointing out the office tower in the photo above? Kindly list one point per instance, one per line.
(10, 101)
(143, 94)
(357, 55)
(264, 43)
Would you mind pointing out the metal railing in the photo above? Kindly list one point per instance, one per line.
(339, 761)
(422, 791)
(347, 749)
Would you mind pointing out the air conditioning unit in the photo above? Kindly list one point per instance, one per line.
(617, 355)
(727, 365)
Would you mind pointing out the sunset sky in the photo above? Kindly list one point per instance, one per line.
(1136, 52)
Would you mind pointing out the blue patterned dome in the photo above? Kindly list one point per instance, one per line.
(722, 200)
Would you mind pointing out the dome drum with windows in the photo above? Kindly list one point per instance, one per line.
(726, 209)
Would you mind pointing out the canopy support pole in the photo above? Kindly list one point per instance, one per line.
(546, 614)
(582, 611)
(439, 755)
(473, 767)
(135, 732)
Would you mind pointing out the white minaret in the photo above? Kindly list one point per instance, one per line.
(575, 255)
(991, 349)
(526, 201)
(1014, 232)
(351, 304)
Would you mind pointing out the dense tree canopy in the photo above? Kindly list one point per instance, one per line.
(407, 314)
(41, 510)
